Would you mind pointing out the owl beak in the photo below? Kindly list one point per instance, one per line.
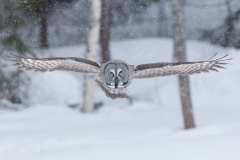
(116, 82)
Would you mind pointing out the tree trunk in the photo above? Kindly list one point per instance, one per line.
(162, 18)
(92, 46)
(105, 30)
(43, 17)
(180, 56)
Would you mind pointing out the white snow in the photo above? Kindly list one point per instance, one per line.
(150, 127)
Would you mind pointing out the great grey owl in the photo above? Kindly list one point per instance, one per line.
(116, 75)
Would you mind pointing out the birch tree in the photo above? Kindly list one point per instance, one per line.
(180, 55)
(92, 47)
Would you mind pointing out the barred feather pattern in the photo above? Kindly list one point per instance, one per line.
(51, 64)
(179, 68)
(113, 93)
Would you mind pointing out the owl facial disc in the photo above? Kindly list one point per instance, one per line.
(116, 75)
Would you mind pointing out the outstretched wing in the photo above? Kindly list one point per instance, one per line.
(180, 68)
(59, 63)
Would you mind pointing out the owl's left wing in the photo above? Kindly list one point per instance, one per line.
(180, 68)
(74, 64)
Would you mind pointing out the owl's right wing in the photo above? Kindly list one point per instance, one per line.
(180, 68)
(74, 64)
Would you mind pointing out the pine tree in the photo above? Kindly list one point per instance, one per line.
(11, 21)
(41, 9)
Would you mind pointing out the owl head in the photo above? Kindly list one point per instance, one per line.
(114, 78)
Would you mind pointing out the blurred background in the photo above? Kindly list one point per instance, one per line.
(45, 115)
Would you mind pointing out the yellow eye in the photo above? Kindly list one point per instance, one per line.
(120, 73)
(111, 74)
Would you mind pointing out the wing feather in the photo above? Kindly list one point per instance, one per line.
(74, 64)
(179, 68)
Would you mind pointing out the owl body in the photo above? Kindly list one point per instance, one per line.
(114, 78)
(116, 75)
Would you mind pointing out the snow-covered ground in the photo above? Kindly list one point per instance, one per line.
(149, 127)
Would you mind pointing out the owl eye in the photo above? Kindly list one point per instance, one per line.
(120, 73)
(111, 74)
